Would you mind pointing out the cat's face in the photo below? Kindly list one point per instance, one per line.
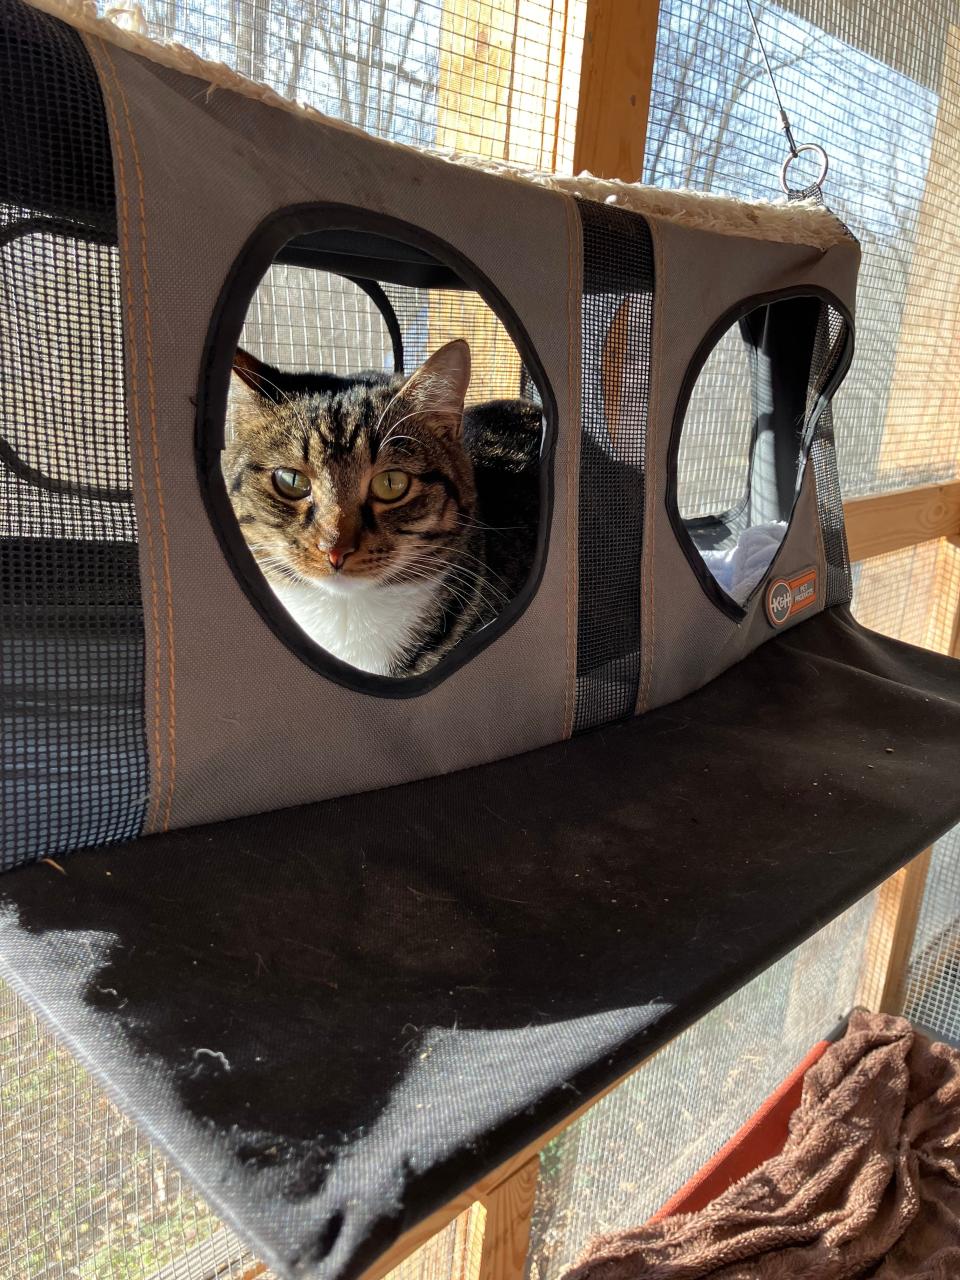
(350, 487)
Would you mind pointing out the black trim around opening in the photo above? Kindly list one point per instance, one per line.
(65, 229)
(226, 323)
(711, 587)
(387, 314)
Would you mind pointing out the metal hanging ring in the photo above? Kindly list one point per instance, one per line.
(805, 146)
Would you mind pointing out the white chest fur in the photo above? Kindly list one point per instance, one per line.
(366, 625)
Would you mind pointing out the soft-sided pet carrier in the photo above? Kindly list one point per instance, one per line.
(343, 942)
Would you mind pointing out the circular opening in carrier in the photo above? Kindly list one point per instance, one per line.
(373, 433)
(743, 432)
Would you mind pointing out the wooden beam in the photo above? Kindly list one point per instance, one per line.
(902, 518)
(890, 939)
(616, 73)
(506, 1232)
(467, 1244)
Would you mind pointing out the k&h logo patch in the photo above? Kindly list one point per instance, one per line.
(786, 597)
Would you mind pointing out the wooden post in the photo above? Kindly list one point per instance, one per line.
(915, 595)
(954, 646)
(506, 1233)
(616, 74)
(891, 935)
(894, 926)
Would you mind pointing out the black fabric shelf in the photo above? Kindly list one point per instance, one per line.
(337, 1017)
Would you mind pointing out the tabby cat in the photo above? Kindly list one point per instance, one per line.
(389, 521)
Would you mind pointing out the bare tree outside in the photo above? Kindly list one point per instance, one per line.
(371, 63)
(714, 127)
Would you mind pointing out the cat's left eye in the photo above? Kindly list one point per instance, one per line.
(290, 483)
(389, 486)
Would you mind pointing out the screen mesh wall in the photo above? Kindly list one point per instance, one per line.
(714, 457)
(84, 1195)
(878, 85)
(912, 595)
(306, 320)
(73, 767)
(316, 321)
(495, 78)
(80, 1191)
(620, 1162)
(932, 994)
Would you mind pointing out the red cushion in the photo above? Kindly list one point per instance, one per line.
(763, 1136)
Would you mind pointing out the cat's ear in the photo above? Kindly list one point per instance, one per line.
(260, 378)
(249, 394)
(438, 388)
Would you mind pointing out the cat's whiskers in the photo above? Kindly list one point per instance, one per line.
(389, 405)
(392, 430)
(394, 437)
(459, 551)
(268, 559)
(465, 573)
(466, 578)
(409, 575)
(467, 523)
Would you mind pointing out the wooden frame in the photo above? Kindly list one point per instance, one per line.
(616, 75)
(891, 935)
(901, 518)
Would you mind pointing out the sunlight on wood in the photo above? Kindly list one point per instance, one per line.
(452, 1254)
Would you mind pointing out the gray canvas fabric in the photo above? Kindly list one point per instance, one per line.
(197, 171)
(686, 639)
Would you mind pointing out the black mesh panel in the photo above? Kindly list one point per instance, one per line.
(73, 768)
(831, 335)
(617, 322)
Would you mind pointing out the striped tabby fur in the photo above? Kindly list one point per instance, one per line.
(389, 584)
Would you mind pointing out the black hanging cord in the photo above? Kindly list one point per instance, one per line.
(784, 122)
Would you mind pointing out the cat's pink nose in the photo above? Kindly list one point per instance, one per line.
(337, 555)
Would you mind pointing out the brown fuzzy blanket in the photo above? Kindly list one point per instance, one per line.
(868, 1183)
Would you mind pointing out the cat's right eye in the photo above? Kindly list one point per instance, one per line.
(390, 486)
(291, 484)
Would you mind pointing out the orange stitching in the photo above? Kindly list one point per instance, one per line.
(652, 477)
(131, 344)
(158, 483)
(573, 422)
